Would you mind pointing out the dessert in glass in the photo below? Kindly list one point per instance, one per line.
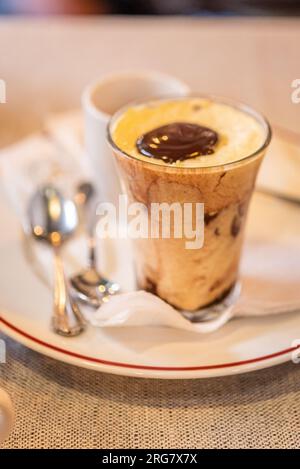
(195, 149)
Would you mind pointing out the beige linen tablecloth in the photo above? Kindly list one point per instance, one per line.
(45, 66)
(61, 406)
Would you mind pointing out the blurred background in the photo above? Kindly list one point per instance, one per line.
(247, 50)
(152, 7)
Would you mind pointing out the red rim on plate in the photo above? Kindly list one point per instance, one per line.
(148, 367)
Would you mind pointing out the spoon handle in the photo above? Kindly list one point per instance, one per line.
(92, 256)
(88, 219)
(67, 318)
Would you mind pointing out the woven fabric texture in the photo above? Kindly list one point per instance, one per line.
(62, 406)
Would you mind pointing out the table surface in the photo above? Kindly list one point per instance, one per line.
(45, 66)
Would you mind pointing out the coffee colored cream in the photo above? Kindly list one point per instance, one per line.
(233, 133)
(226, 142)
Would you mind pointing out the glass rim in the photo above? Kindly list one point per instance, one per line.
(241, 106)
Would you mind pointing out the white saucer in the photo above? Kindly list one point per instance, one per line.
(243, 345)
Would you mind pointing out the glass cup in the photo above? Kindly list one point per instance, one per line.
(191, 279)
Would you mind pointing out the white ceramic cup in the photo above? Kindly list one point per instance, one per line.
(101, 100)
(6, 415)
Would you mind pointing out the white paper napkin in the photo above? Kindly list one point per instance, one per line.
(48, 157)
(280, 171)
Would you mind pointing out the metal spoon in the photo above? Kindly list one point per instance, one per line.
(53, 220)
(89, 285)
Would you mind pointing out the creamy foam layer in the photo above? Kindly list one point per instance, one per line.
(239, 134)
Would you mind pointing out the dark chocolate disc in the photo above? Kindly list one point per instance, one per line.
(177, 142)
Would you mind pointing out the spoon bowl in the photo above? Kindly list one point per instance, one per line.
(52, 218)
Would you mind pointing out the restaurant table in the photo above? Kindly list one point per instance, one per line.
(45, 64)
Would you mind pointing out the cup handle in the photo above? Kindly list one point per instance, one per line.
(6, 415)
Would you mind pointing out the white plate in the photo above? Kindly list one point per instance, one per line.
(243, 345)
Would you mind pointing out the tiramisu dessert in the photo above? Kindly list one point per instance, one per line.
(189, 150)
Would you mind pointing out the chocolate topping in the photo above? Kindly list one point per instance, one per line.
(177, 142)
(235, 226)
(208, 217)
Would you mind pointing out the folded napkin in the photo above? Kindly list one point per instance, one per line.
(53, 156)
(281, 167)
(270, 273)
